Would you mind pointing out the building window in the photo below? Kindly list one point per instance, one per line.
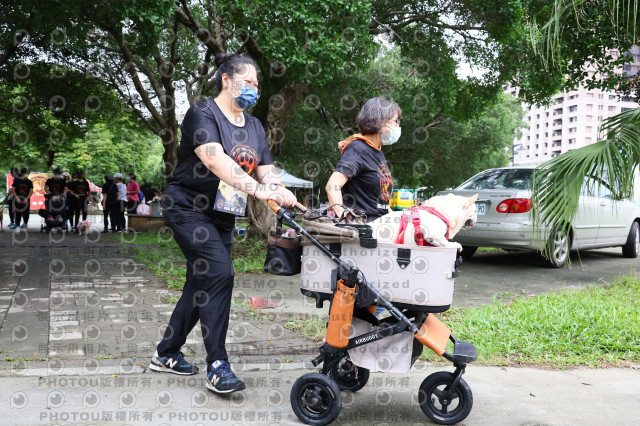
(612, 97)
(546, 135)
(537, 126)
(536, 146)
(537, 115)
(572, 130)
(547, 113)
(589, 118)
(589, 107)
(572, 119)
(537, 137)
(590, 95)
(588, 129)
(625, 109)
(600, 107)
(573, 108)
(587, 140)
(546, 124)
(599, 118)
(600, 95)
(612, 108)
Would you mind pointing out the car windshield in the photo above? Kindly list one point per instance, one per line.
(500, 179)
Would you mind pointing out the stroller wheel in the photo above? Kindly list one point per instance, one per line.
(316, 400)
(442, 410)
(347, 375)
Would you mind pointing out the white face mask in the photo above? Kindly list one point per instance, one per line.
(391, 137)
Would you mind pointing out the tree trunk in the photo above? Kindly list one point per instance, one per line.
(261, 218)
(169, 138)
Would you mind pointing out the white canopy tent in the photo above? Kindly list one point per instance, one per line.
(291, 181)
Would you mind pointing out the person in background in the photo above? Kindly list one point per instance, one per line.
(133, 194)
(21, 190)
(9, 198)
(109, 203)
(121, 225)
(78, 198)
(72, 199)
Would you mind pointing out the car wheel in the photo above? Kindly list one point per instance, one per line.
(632, 246)
(467, 252)
(557, 249)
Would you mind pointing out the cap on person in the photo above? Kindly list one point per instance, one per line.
(108, 176)
(118, 175)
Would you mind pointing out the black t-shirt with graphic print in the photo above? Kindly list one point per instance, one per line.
(205, 123)
(370, 184)
(22, 187)
(56, 186)
(79, 187)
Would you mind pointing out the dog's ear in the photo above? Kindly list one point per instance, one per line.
(471, 200)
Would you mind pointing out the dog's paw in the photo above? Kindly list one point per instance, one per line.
(458, 246)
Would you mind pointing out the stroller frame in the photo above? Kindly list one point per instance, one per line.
(315, 397)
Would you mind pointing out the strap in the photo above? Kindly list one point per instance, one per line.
(439, 215)
(415, 219)
(404, 221)
(417, 232)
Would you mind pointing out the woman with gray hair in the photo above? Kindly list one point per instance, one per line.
(362, 178)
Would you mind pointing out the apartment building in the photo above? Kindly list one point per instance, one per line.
(571, 121)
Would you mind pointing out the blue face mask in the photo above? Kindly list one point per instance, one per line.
(247, 97)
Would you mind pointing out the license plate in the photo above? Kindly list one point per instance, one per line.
(480, 209)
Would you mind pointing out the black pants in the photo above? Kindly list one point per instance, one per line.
(105, 218)
(21, 211)
(76, 207)
(112, 213)
(209, 283)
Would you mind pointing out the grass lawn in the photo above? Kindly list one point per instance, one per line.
(598, 326)
(161, 254)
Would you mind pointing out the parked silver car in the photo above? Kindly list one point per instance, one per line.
(504, 220)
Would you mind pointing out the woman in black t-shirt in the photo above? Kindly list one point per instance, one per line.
(362, 177)
(223, 156)
(21, 190)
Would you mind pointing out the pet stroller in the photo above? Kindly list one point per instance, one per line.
(411, 284)
(54, 213)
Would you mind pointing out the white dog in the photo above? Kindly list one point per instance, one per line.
(457, 210)
(83, 227)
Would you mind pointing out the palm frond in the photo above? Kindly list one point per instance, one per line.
(557, 184)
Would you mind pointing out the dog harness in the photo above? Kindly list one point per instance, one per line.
(415, 218)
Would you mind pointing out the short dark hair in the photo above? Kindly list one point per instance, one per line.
(132, 176)
(375, 113)
(80, 174)
(57, 171)
(24, 170)
(230, 63)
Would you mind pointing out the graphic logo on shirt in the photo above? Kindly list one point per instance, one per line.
(386, 183)
(245, 156)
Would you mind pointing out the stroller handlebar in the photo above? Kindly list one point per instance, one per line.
(276, 207)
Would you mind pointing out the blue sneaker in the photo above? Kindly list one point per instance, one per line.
(175, 364)
(221, 379)
(13, 226)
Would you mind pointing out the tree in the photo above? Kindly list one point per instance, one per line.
(44, 107)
